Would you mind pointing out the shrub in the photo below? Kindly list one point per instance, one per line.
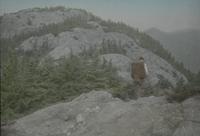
(125, 91)
(163, 83)
(27, 86)
(183, 92)
(145, 41)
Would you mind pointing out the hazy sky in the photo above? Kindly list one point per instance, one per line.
(167, 15)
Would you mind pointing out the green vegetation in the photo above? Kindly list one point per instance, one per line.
(56, 8)
(147, 42)
(163, 83)
(27, 85)
(183, 92)
(106, 47)
(67, 25)
(141, 38)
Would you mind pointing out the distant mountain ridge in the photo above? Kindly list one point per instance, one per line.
(183, 44)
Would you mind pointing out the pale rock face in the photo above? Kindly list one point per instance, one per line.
(191, 123)
(98, 113)
(48, 41)
(79, 39)
(82, 39)
(30, 20)
(121, 63)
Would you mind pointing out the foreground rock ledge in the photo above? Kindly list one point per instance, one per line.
(99, 114)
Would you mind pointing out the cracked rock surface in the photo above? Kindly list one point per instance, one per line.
(97, 113)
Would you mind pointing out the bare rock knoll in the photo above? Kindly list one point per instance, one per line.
(80, 39)
(99, 114)
(29, 20)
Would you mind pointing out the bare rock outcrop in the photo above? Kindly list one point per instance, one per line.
(99, 114)
(29, 20)
(80, 40)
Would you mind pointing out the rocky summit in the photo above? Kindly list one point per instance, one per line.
(81, 66)
(91, 34)
(80, 40)
(30, 19)
(99, 114)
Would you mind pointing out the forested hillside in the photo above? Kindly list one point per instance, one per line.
(184, 46)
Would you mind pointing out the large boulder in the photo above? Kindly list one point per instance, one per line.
(191, 123)
(121, 63)
(99, 114)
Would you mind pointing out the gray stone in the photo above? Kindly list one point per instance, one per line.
(191, 124)
(98, 113)
(65, 44)
(32, 19)
(79, 40)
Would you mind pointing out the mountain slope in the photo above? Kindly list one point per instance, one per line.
(76, 40)
(98, 113)
(80, 40)
(59, 61)
(29, 20)
(184, 46)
